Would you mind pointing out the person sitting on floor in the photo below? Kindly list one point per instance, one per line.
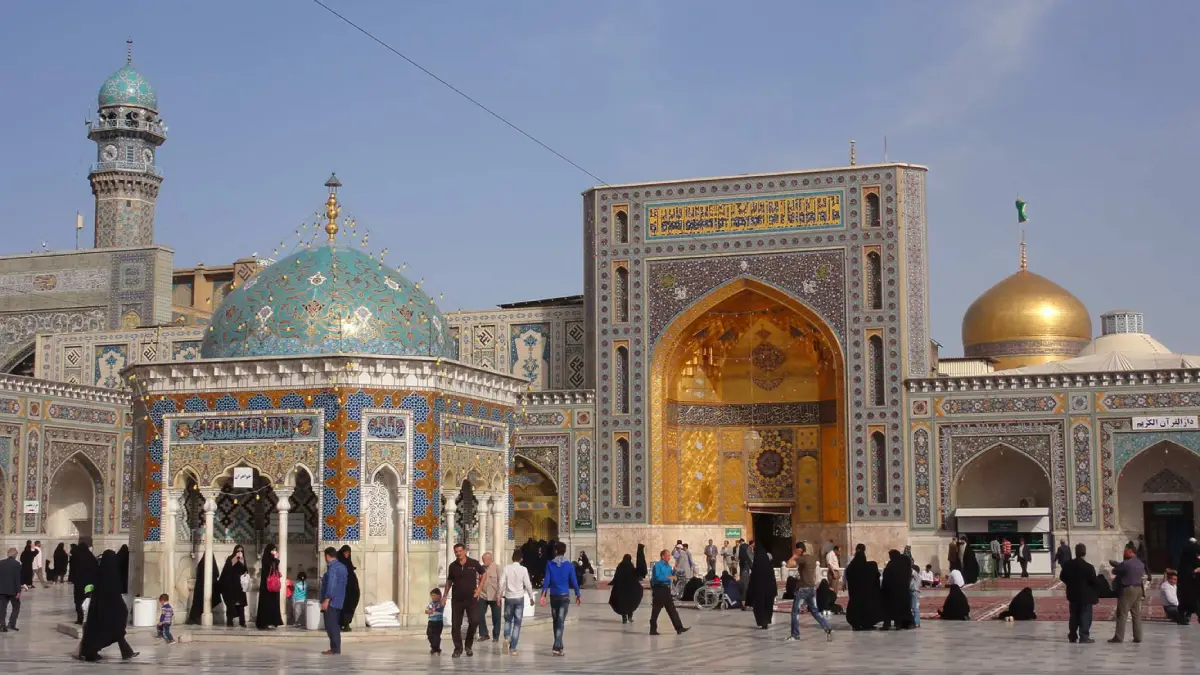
(1021, 607)
(956, 607)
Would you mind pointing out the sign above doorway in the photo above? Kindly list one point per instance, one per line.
(1166, 423)
(243, 477)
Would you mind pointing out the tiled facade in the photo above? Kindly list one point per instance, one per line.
(44, 425)
(96, 358)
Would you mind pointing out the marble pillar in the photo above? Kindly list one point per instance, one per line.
(451, 511)
(499, 532)
(400, 568)
(171, 495)
(483, 525)
(284, 505)
(210, 508)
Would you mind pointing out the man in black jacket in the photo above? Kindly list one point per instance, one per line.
(10, 590)
(1079, 576)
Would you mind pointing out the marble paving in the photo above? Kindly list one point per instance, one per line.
(720, 642)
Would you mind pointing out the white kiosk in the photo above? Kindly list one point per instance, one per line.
(1032, 524)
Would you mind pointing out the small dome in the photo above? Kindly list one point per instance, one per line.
(128, 87)
(1025, 319)
(327, 300)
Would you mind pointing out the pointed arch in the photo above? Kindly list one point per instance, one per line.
(677, 331)
(1001, 476)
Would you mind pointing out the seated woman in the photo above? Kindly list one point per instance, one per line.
(827, 598)
(733, 590)
(689, 591)
(1021, 607)
(789, 588)
(956, 607)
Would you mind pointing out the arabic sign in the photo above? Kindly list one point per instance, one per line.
(243, 477)
(477, 433)
(244, 428)
(760, 214)
(1173, 423)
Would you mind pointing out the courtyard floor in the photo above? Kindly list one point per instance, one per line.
(720, 642)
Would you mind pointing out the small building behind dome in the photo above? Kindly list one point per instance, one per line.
(1025, 319)
(1122, 347)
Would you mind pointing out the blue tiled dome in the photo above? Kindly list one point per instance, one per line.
(327, 300)
(128, 87)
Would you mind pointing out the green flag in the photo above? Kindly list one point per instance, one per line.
(1021, 217)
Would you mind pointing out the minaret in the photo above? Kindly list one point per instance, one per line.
(125, 178)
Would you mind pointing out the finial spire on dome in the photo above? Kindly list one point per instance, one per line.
(331, 206)
(128, 52)
(1024, 258)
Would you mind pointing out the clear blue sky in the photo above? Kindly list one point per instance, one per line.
(1089, 109)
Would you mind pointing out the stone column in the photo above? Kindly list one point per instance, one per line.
(451, 510)
(210, 507)
(499, 531)
(284, 505)
(171, 495)
(400, 570)
(483, 525)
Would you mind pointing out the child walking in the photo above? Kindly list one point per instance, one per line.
(434, 611)
(914, 595)
(166, 617)
(299, 597)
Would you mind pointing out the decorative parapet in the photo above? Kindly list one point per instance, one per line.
(28, 385)
(560, 397)
(1132, 378)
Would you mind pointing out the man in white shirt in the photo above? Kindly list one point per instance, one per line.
(1169, 592)
(515, 587)
(727, 558)
(834, 566)
(39, 565)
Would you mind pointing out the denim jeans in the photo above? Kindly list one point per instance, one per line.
(333, 628)
(514, 611)
(164, 632)
(808, 596)
(916, 607)
(559, 604)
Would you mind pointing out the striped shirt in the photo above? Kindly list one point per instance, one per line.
(167, 617)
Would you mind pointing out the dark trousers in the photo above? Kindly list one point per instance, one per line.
(333, 628)
(1080, 623)
(661, 599)
(459, 607)
(996, 567)
(15, 601)
(235, 612)
(79, 605)
(1024, 567)
(483, 610)
(1007, 566)
(434, 633)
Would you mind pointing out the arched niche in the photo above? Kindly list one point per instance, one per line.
(1001, 477)
(1156, 498)
(75, 498)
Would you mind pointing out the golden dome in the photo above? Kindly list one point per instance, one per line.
(1024, 320)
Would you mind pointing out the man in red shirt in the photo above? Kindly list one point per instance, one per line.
(1006, 552)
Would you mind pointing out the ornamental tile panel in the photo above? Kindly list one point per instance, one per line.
(999, 405)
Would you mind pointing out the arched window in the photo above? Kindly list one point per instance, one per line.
(621, 378)
(623, 470)
(872, 214)
(879, 488)
(874, 281)
(622, 227)
(621, 296)
(875, 344)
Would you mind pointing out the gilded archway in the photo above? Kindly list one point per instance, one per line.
(747, 398)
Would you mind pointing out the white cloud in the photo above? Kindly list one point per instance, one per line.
(996, 43)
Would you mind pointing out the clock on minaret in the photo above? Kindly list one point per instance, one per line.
(110, 153)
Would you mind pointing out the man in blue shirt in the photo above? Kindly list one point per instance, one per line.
(660, 593)
(333, 594)
(557, 583)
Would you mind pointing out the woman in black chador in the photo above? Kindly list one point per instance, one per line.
(863, 609)
(642, 570)
(269, 578)
(232, 593)
(27, 558)
(897, 605)
(123, 568)
(83, 573)
(970, 566)
(761, 593)
(197, 608)
(1021, 607)
(956, 607)
(827, 598)
(107, 613)
(353, 592)
(61, 562)
(626, 590)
